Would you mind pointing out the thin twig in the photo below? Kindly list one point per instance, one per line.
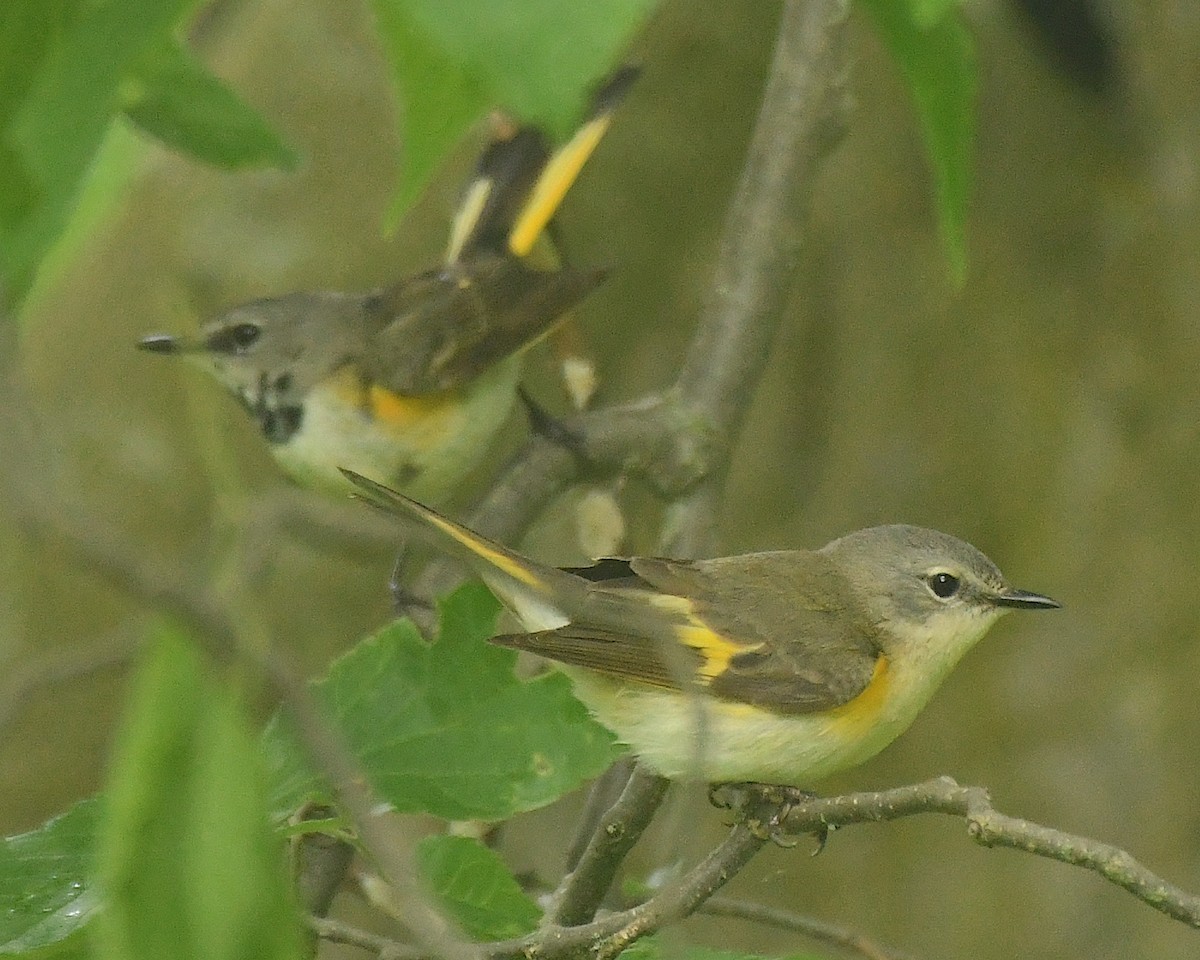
(62, 665)
(386, 949)
(606, 790)
(584, 888)
(819, 930)
(802, 118)
(990, 828)
(374, 821)
(105, 552)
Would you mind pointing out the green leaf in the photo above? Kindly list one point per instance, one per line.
(475, 888)
(937, 58)
(446, 727)
(172, 97)
(453, 62)
(185, 859)
(69, 76)
(45, 897)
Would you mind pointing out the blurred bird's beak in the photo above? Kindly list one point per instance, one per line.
(168, 344)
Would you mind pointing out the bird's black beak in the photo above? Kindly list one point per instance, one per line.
(1024, 600)
(166, 344)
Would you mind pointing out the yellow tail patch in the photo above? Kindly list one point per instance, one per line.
(497, 559)
(467, 218)
(556, 179)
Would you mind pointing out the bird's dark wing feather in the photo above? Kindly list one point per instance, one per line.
(611, 653)
(441, 329)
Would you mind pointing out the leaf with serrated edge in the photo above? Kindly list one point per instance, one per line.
(446, 727)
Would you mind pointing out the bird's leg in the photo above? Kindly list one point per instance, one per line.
(781, 799)
(545, 424)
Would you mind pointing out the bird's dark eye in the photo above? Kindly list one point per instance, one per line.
(234, 339)
(944, 585)
(244, 334)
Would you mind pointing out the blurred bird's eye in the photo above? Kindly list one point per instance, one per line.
(944, 585)
(235, 339)
(244, 334)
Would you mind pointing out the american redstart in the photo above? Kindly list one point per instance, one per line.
(409, 383)
(781, 667)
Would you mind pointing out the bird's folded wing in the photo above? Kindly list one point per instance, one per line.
(441, 329)
(763, 630)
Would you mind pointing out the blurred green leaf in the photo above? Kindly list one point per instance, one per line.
(446, 727)
(77, 56)
(172, 97)
(475, 888)
(44, 895)
(453, 62)
(937, 57)
(928, 13)
(186, 861)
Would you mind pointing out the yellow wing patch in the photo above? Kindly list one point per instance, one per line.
(716, 650)
(555, 180)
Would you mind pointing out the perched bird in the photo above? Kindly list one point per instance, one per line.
(781, 667)
(409, 383)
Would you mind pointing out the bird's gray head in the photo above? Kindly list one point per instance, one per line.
(927, 589)
(270, 353)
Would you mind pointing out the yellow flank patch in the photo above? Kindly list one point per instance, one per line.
(494, 557)
(553, 184)
(714, 648)
(406, 412)
(861, 714)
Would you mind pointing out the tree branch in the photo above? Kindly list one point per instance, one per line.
(583, 889)
(801, 119)
(990, 828)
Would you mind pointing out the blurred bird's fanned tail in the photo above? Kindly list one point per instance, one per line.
(520, 184)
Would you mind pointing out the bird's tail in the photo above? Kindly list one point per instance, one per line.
(535, 592)
(519, 183)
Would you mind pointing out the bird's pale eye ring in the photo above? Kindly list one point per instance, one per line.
(943, 585)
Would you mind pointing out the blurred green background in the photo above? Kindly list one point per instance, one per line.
(1046, 411)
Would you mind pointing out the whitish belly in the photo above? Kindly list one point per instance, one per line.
(426, 450)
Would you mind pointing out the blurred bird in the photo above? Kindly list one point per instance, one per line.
(409, 383)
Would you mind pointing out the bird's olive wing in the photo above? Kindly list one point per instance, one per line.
(781, 631)
(440, 330)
